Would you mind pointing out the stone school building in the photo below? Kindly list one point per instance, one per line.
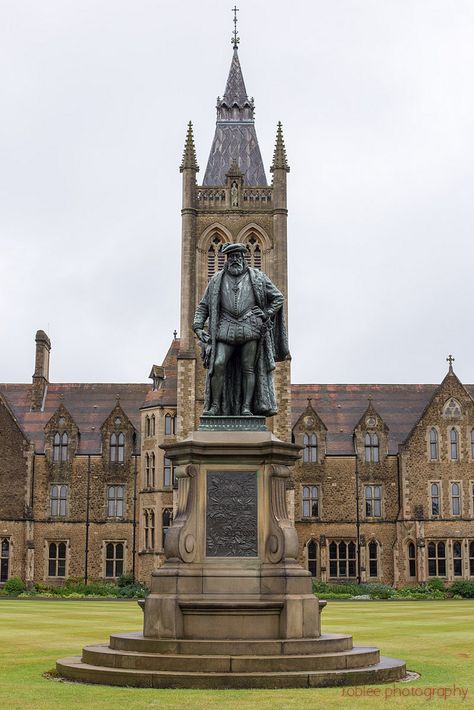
(384, 490)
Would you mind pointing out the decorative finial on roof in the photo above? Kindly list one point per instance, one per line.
(117, 397)
(450, 359)
(309, 401)
(175, 334)
(235, 35)
(280, 161)
(189, 154)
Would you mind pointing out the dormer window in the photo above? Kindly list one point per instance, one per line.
(117, 448)
(60, 447)
(310, 450)
(371, 446)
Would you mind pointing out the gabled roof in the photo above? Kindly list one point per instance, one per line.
(166, 395)
(341, 407)
(235, 138)
(88, 404)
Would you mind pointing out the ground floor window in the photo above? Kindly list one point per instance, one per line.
(57, 559)
(411, 559)
(436, 559)
(114, 555)
(312, 553)
(4, 559)
(373, 558)
(471, 559)
(149, 526)
(342, 559)
(166, 521)
(457, 559)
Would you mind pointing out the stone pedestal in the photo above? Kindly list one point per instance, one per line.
(231, 570)
(231, 607)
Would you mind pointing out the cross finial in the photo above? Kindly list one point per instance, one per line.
(175, 334)
(235, 35)
(450, 359)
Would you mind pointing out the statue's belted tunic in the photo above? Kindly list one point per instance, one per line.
(237, 309)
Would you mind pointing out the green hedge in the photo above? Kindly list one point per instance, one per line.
(74, 587)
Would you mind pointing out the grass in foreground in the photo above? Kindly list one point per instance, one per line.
(434, 638)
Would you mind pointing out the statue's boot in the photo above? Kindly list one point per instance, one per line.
(248, 389)
(213, 411)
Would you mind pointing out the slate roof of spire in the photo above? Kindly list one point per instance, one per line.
(235, 138)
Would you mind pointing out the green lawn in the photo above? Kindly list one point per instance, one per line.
(435, 638)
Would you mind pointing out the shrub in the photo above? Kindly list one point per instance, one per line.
(14, 586)
(464, 589)
(125, 580)
(435, 583)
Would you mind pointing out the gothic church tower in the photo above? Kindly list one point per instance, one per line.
(234, 203)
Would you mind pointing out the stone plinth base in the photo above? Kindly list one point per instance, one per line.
(231, 607)
(133, 660)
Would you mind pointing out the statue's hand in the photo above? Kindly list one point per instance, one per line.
(203, 336)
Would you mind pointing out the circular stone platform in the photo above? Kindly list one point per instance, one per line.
(134, 660)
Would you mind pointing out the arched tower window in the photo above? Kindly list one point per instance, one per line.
(373, 558)
(310, 450)
(117, 448)
(215, 257)
(253, 257)
(60, 447)
(453, 439)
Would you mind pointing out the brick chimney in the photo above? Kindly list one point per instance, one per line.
(41, 374)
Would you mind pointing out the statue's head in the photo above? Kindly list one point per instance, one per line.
(235, 263)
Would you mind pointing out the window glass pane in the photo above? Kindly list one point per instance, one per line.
(109, 568)
(442, 568)
(441, 549)
(432, 568)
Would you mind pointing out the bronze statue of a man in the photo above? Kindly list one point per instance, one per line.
(247, 335)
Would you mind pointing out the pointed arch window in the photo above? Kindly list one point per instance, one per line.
(434, 445)
(454, 447)
(117, 448)
(312, 554)
(147, 471)
(310, 450)
(58, 500)
(253, 256)
(411, 559)
(310, 502)
(4, 559)
(373, 558)
(457, 558)
(60, 447)
(152, 425)
(115, 500)
(456, 498)
(149, 528)
(215, 257)
(435, 499)
(152, 470)
(371, 445)
(166, 522)
(147, 426)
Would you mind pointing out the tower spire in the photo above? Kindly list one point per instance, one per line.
(189, 155)
(235, 35)
(280, 161)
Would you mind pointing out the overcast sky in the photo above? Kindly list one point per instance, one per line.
(377, 104)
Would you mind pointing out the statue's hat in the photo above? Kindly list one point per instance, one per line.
(232, 248)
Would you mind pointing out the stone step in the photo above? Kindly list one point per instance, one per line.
(387, 670)
(102, 655)
(326, 643)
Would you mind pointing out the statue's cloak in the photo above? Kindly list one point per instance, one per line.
(272, 347)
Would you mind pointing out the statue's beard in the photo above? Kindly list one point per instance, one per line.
(236, 269)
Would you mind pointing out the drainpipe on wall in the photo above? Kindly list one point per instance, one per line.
(88, 498)
(134, 528)
(357, 509)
